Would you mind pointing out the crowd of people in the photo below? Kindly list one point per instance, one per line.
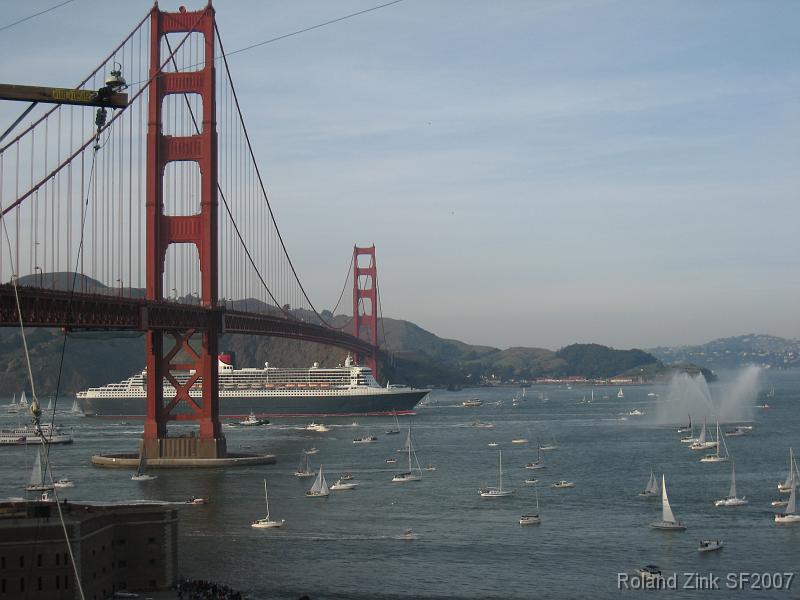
(199, 589)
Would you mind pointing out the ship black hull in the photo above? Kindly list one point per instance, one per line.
(275, 406)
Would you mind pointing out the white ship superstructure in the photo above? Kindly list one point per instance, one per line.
(347, 389)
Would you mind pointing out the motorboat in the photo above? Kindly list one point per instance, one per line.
(709, 545)
(429, 467)
(530, 520)
(779, 503)
(636, 413)
(496, 492)
(63, 483)
(492, 444)
(519, 441)
(668, 521)
(390, 461)
(563, 484)
(197, 501)
(252, 420)
(408, 534)
(472, 403)
(310, 451)
(481, 425)
(346, 477)
(342, 484)
(318, 427)
(531, 481)
(267, 522)
(649, 573)
(367, 439)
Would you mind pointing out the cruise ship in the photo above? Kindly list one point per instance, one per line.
(349, 389)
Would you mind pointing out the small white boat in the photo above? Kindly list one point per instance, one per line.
(62, 483)
(344, 485)
(636, 413)
(429, 467)
(709, 545)
(732, 499)
(668, 521)
(390, 461)
(492, 444)
(652, 394)
(473, 403)
(563, 484)
(194, 500)
(496, 492)
(266, 522)
(779, 503)
(367, 439)
(651, 491)
(304, 469)
(531, 481)
(519, 441)
(481, 425)
(649, 573)
(320, 488)
(318, 427)
(140, 474)
(620, 393)
(408, 534)
(347, 477)
(310, 451)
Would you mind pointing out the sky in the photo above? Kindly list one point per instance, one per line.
(532, 173)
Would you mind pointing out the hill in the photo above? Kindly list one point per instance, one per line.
(735, 352)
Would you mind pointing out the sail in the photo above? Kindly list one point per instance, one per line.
(266, 498)
(501, 470)
(14, 400)
(652, 485)
(789, 477)
(791, 507)
(666, 511)
(732, 491)
(318, 483)
(702, 438)
(142, 464)
(36, 472)
(23, 401)
(324, 487)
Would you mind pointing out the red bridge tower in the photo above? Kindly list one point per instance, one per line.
(365, 302)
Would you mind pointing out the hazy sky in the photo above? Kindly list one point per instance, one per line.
(532, 173)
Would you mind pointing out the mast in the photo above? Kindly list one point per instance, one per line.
(266, 498)
(732, 491)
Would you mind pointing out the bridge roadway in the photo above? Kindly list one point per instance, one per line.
(107, 312)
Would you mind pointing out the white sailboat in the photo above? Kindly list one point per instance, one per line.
(686, 428)
(786, 486)
(304, 469)
(266, 522)
(49, 404)
(668, 521)
(37, 481)
(651, 491)
(140, 474)
(532, 519)
(732, 499)
(790, 515)
(702, 442)
(717, 457)
(539, 464)
(620, 393)
(76, 408)
(396, 429)
(409, 475)
(497, 492)
(320, 487)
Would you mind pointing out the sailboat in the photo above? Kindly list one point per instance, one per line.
(320, 487)
(790, 516)
(702, 443)
(140, 475)
(497, 492)
(304, 469)
(37, 481)
(396, 428)
(620, 393)
(266, 522)
(668, 521)
(732, 499)
(717, 457)
(651, 490)
(786, 486)
(687, 428)
(409, 475)
(533, 519)
(76, 408)
(49, 404)
(539, 464)
(690, 439)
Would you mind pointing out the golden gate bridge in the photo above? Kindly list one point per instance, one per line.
(156, 219)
